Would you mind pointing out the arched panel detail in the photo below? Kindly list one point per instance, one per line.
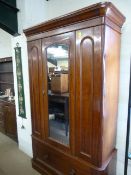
(35, 85)
(86, 94)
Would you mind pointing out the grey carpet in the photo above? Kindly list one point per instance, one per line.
(12, 160)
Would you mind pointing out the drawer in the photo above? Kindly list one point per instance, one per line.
(57, 162)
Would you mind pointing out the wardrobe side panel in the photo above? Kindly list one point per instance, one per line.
(110, 90)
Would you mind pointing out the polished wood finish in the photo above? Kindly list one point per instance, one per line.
(88, 93)
(52, 160)
(34, 49)
(111, 65)
(106, 10)
(67, 38)
(93, 91)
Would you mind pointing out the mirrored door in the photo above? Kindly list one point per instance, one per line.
(58, 92)
(58, 86)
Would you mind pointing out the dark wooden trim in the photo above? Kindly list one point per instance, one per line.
(71, 28)
(66, 29)
(106, 9)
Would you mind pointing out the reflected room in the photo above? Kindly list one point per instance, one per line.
(58, 92)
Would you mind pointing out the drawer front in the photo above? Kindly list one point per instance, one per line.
(57, 162)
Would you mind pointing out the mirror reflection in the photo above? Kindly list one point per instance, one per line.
(58, 92)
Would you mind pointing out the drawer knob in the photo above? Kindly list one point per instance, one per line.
(72, 172)
(46, 156)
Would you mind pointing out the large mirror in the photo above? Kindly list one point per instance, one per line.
(58, 92)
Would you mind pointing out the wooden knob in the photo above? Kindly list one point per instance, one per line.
(72, 172)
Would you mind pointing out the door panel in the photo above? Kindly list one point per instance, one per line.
(34, 50)
(58, 86)
(88, 61)
(86, 93)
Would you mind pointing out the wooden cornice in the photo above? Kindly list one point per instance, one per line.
(106, 10)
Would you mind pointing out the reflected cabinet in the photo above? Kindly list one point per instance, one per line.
(74, 77)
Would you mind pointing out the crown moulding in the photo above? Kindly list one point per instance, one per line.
(106, 10)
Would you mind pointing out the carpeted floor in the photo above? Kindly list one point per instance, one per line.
(12, 160)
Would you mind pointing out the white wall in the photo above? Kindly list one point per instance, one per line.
(33, 12)
(5, 44)
(24, 135)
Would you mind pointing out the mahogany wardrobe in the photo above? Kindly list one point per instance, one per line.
(74, 84)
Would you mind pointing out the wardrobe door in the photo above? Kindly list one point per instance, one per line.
(58, 90)
(88, 94)
(34, 54)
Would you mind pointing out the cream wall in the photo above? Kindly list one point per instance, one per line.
(5, 44)
(33, 12)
